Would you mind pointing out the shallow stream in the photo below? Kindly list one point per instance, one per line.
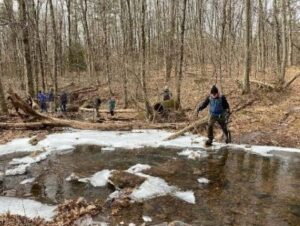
(243, 188)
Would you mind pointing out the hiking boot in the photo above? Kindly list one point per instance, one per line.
(208, 143)
(228, 138)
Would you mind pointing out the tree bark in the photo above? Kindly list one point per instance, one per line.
(180, 74)
(170, 49)
(148, 108)
(284, 42)
(27, 49)
(247, 63)
(56, 46)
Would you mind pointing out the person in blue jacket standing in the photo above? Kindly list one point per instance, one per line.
(219, 111)
(42, 99)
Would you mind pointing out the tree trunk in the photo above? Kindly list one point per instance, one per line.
(148, 108)
(290, 37)
(87, 38)
(277, 40)
(247, 63)
(3, 105)
(69, 32)
(180, 75)
(125, 59)
(170, 50)
(56, 47)
(27, 49)
(106, 48)
(284, 43)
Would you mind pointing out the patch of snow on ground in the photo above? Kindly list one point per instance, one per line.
(26, 207)
(108, 149)
(192, 154)
(203, 180)
(187, 196)
(28, 181)
(147, 219)
(72, 177)
(138, 168)
(100, 179)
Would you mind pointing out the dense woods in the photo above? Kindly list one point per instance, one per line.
(124, 43)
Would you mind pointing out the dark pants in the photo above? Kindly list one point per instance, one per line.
(112, 112)
(222, 122)
(43, 106)
(63, 107)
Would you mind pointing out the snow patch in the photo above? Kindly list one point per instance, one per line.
(28, 181)
(19, 170)
(150, 188)
(203, 180)
(147, 219)
(100, 179)
(187, 196)
(26, 207)
(138, 168)
(72, 177)
(60, 142)
(108, 149)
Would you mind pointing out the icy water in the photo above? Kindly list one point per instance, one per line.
(244, 188)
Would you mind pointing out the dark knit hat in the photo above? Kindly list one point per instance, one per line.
(214, 90)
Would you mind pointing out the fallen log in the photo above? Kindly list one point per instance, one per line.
(204, 121)
(263, 84)
(291, 81)
(106, 111)
(197, 124)
(90, 126)
(45, 121)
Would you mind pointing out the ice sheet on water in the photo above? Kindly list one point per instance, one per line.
(187, 196)
(126, 140)
(150, 188)
(18, 170)
(28, 181)
(26, 207)
(193, 154)
(30, 159)
(100, 179)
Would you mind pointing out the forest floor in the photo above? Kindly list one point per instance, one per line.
(273, 119)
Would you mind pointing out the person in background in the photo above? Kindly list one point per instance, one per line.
(63, 101)
(219, 111)
(42, 99)
(29, 101)
(112, 105)
(167, 94)
(51, 100)
(97, 104)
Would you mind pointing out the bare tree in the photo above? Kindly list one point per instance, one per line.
(56, 46)
(247, 63)
(180, 74)
(27, 49)
(143, 74)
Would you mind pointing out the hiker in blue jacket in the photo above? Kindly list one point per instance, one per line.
(42, 99)
(219, 111)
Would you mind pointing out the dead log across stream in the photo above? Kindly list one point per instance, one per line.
(202, 122)
(43, 121)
